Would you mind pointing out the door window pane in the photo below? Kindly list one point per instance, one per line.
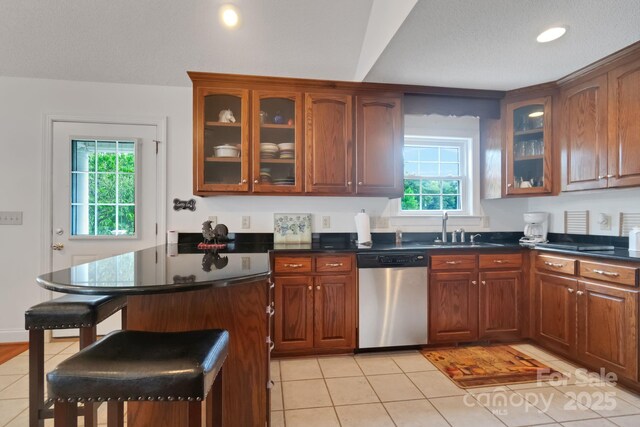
(103, 188)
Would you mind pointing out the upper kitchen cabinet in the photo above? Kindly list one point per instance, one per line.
(379, 141)
(277, 141)
(528, 147)
(221, 140)
(624, 125)
(583, 134)
(329, 143)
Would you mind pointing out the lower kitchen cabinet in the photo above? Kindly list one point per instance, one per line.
(482, 302)
(315, 311)
(594, 323)
(294, 313)
(499, 312)
(607, 328)
(453, 307)
(556, 312)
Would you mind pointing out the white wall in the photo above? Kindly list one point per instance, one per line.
(25, 102)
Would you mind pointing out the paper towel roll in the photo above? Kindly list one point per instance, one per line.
(363, 228)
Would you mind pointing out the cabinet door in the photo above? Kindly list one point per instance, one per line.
(584, 135)
(329, 143)
(221, 140)
(453, 307)
(556, 312)
(608, 328)
(334, 322)
(277, 141)
(624, 125)
(529, 152)
(499, 314)
(379, 141)
(293, 313)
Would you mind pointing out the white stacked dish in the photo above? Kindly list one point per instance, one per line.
(268, 150)
(287, 150)
(226, 150)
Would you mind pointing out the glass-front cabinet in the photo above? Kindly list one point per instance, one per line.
(528, 147)
(221, 149)
(276, 141)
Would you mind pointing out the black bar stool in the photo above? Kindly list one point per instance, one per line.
(143, 366)
(66, 312)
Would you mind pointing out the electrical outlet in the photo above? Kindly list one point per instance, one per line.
(214, 220)
(326, 221)
(246, 263)
(10, 218)
(246, 222)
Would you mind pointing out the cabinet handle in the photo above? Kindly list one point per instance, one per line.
(256, 181)
(270, 384)
(605, 176)
(611, 176)
(359, 182)
(270, 311)
(499, 261)
(272, 345)
(606, 273)
(570, 290)
(473, 282)
(333, 264)
(509, 185)
(348, 182)
(579, 293)
(318, 287)
(293, 265)
(452, 262)
(554, 264)
(483, 282)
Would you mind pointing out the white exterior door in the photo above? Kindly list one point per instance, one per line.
(104, 197)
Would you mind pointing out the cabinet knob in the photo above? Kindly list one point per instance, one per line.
(256, 181)
(509, 185)
(570, 290)
(359, 182)
(348, 182)
(473, 282)
(483, 282)
(318, 287)
(310, 287)
(244, 181)
(579, 293)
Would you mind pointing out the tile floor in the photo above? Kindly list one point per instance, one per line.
(391, 389)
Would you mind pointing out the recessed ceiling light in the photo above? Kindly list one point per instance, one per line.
(536, 114)
(229, 15)
(551, 34)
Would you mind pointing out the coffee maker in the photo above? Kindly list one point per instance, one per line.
(535, 228)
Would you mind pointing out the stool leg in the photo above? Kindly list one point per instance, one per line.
(36, 377)
(65, 414)
(88, 337)
(115, 414)
(194, 414)
(124, 318)
(216, 395)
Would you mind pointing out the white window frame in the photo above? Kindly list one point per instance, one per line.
(462, 144)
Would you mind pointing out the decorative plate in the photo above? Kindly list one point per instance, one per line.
(291, 228)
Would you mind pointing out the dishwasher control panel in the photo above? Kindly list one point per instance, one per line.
(398, 259)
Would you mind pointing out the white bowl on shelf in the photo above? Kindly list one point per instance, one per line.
(287, 146)
(226, 150)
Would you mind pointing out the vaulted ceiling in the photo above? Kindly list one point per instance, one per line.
(483, 44)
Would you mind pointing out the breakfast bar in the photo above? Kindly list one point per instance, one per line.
(169, 291)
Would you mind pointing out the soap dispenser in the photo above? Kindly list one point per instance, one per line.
(634, 240)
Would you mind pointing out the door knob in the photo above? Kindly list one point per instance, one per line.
(57, 246)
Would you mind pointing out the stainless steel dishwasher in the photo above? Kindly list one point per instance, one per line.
(392, 299)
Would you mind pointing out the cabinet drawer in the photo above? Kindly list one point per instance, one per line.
(500, 261)
(453, 262)
(298, 264)
(609, 273)
(341, 263)
(557, 264)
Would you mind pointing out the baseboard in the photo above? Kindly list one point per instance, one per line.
(13, 335)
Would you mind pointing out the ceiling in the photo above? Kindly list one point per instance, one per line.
(488, 44)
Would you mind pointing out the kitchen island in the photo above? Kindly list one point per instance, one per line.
(169, 292)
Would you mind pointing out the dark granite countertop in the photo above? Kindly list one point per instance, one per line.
(618, 254)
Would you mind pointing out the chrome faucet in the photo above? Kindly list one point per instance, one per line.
(474, 237)
(445, 217)
(462, 235)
